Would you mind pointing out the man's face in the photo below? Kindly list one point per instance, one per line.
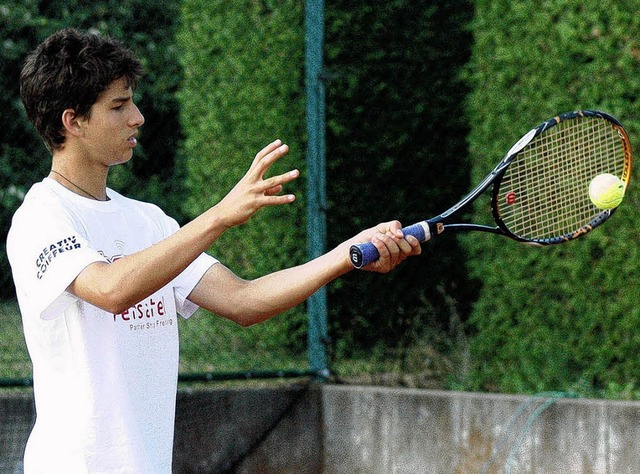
(111, 128)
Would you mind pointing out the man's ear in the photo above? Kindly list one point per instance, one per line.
(72, 123)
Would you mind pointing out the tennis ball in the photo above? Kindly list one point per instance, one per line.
(606, 191)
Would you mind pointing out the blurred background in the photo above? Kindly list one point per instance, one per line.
(422, 99)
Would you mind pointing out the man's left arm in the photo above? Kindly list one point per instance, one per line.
(248, 302)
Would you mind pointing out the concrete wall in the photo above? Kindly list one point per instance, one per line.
(377, 430)
(341, 429)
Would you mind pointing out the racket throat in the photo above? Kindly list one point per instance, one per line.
(433, 227)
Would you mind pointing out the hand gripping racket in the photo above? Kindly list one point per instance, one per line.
(540, 189)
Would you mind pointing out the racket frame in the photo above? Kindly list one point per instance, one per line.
(362, 254)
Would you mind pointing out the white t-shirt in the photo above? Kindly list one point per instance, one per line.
(104, 384)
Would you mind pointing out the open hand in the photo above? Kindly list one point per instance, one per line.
(254, 191)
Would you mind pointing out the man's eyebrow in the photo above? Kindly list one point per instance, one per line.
(121, 99)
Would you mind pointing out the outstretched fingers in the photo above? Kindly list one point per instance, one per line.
(273, 186)
(267, 149)
(254, 191)
(267, 157)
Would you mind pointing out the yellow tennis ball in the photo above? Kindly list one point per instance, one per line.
(606, 191)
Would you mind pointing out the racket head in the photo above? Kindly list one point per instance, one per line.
(542, 194)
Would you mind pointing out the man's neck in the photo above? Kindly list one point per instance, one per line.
(77, 175)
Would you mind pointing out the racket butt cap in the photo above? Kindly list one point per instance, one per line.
(363, 254)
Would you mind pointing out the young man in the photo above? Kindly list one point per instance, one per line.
(100, 277)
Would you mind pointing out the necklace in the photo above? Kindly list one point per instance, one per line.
(74, 184)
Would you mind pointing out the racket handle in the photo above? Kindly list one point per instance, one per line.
(362, 255)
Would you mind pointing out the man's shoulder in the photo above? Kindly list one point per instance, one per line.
(39, 207)
(39, 199)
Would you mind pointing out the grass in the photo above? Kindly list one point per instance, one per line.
(14, 359)
(212, 344)
(209, 344)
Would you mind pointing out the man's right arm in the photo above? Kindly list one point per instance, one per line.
(117, 286)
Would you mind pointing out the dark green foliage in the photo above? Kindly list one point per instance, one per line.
(147, 28)
(396, 150)
(565, 317)
(244, 87)
(22, 155)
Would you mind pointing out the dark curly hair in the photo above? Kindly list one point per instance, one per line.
(70, 70)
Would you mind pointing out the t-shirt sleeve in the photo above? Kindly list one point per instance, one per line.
(184, 283)
(46, 254)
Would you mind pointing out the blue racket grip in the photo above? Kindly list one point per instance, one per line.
(362, 255)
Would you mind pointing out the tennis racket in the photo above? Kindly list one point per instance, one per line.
(540, 192)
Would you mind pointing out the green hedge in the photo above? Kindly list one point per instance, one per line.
(395, 120)
(396, 141)
(243, 88)
(561, 318)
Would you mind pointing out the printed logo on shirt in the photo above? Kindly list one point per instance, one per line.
(147, 314)
(53, 250)
(110, 259)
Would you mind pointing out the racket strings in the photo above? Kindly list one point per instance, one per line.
(545, 191)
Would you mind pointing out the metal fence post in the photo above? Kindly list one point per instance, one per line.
(316, 180)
